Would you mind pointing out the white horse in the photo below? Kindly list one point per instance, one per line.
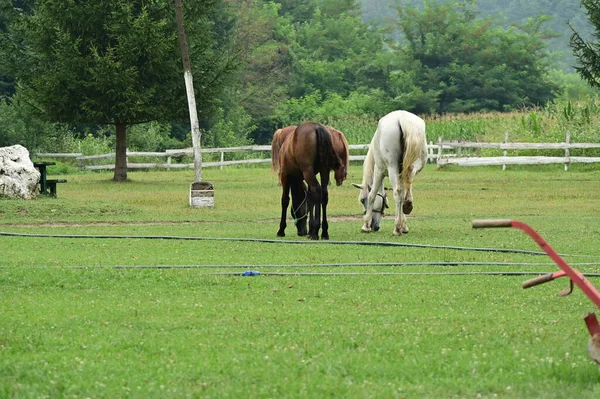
(398, 150)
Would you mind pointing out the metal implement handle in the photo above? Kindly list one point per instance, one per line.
(484, 223)
(538, 280)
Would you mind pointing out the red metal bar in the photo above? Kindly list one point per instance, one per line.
(575, 276)
(543, 279)
(592, 324)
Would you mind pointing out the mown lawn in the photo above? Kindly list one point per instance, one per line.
(160, 318)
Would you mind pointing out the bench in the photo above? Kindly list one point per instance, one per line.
(51, 184)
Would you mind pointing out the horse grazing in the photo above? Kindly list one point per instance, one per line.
(399, 150)
(300, 153)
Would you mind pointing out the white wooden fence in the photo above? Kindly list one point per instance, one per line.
(443, 153)
(457, 159)
(170, 154)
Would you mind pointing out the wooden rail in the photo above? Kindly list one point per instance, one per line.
(443, 153)
(169, 154)
(504, 160)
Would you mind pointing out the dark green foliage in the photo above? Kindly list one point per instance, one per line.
(468, 64)
(515, 13)
(109, 62)
(258, 65)
(588, 52)
(115, 62)
(336, 52)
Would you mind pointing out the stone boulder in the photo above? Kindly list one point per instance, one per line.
(18, 177)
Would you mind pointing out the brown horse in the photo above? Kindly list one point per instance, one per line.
(340, 145)
(297, 186)
(300, 153)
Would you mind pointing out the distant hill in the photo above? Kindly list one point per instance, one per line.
(509, 12)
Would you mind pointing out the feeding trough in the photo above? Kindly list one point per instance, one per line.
(202, 195)
(576, 278)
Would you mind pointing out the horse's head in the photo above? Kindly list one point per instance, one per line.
(340, 174)
(340, 145)
(379, 204)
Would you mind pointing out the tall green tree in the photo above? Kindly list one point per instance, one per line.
(586, 52)
(8, 11)
(262, 40)
(335, 51)
(115, 62)
(468, 64)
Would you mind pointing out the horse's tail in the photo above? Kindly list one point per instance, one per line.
(414, 145)
(326, 158)
(275, 147)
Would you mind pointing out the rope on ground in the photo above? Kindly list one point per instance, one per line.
(273, 241)
(305, 265)
(333, 274)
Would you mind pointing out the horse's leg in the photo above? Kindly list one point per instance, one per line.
(298, 210)
(407, 205)
(378, 176)
(285, 202)
(324, 201)
(314, 205)
(400, 225)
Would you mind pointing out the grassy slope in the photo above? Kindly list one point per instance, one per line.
(105, 332)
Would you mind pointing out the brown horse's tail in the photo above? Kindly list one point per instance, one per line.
(275, 147)
(327, 158)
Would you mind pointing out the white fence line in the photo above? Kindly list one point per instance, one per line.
(169, 154)
(58, 155)
(504, 160)
(436, 152)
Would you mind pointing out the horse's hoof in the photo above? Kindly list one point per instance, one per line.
(397, 232)
(365, 229)
(312, 237)
(324, 237)
(407, 207)
(280, 234)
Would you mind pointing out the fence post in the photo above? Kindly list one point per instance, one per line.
(439, 152)
(430, 152)
(222, 159)
(505, 152)
(567, 152)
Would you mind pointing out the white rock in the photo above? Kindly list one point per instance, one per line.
(18, 177)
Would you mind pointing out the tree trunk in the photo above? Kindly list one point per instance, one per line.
(121, 155)
(189, 87)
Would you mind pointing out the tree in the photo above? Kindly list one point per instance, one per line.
(262, 42)
(335, 51)
(586, 52)
(471, 64)
(114, 62)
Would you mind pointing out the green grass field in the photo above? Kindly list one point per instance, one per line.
(173, 318)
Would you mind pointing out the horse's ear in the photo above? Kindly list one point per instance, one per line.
(357, 186)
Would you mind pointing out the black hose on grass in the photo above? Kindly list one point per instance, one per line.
(333, 274)
(308, 265)
(272, 241)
